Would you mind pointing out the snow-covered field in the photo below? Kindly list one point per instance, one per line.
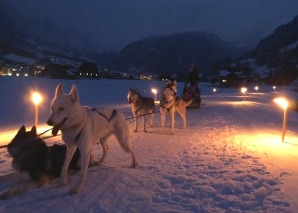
(230, 158)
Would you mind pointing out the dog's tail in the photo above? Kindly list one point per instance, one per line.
(182, 102)
(123, 137)
(122, 132)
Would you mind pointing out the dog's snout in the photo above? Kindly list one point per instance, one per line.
(50, 122)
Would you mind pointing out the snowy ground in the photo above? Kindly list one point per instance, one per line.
(230, 158)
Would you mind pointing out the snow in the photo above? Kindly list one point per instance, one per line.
(292, 46)
(230, 158)
(18, 58)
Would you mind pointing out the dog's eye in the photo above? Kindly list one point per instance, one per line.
(61, 108)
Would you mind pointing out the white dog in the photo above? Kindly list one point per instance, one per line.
(83, 127)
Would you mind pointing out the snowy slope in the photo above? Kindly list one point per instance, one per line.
(229, 158)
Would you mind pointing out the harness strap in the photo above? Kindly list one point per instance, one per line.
(103, 115)
(141, 106)
(163, 106)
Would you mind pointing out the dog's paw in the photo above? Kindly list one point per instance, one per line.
(74, 190)
(135, 131)
(134, 164)
(97, 163)
(4, 195)
(61, 183)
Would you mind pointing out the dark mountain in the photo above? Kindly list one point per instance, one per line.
(280, 38)
(173, 53)
(37, 38)
(279, 52)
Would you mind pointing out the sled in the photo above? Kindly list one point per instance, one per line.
(196, 96)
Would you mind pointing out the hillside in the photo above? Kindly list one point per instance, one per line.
(173, 53)
(275, 58)
(36, 39)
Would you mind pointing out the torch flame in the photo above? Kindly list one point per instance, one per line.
(282, 102)
(36, 98)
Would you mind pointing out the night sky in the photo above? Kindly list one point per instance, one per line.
(118, 22)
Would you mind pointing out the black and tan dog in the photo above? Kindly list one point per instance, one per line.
(140, 107)
(170, 103)
(37, 163)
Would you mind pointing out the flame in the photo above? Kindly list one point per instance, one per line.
(282, 102)
(36, 98)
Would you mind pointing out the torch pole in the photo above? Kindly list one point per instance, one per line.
(284, 125)
(36, 115)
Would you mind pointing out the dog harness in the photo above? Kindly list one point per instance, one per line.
(141, 107)
(103, 115)
(163, 106)
(174, 97)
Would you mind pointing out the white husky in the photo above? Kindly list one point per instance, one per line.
(83, 127)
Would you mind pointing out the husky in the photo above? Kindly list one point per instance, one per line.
(169, 103)
(141, 106)
(36, 163)
(82, 127)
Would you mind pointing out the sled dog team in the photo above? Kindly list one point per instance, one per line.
(169, 103)
(81, 127)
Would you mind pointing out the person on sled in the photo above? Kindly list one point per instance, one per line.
(191, 89)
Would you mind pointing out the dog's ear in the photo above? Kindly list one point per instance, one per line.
(74, 95)
(33, 131)
(22, 130)
(59, 90)
(129, 88)
(175, 83)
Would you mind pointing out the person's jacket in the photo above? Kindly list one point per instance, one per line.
(193, 77)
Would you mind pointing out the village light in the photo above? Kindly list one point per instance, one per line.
(284, 104)
(154, 92)
(214, 90)
(36, 99)
(243, 90)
